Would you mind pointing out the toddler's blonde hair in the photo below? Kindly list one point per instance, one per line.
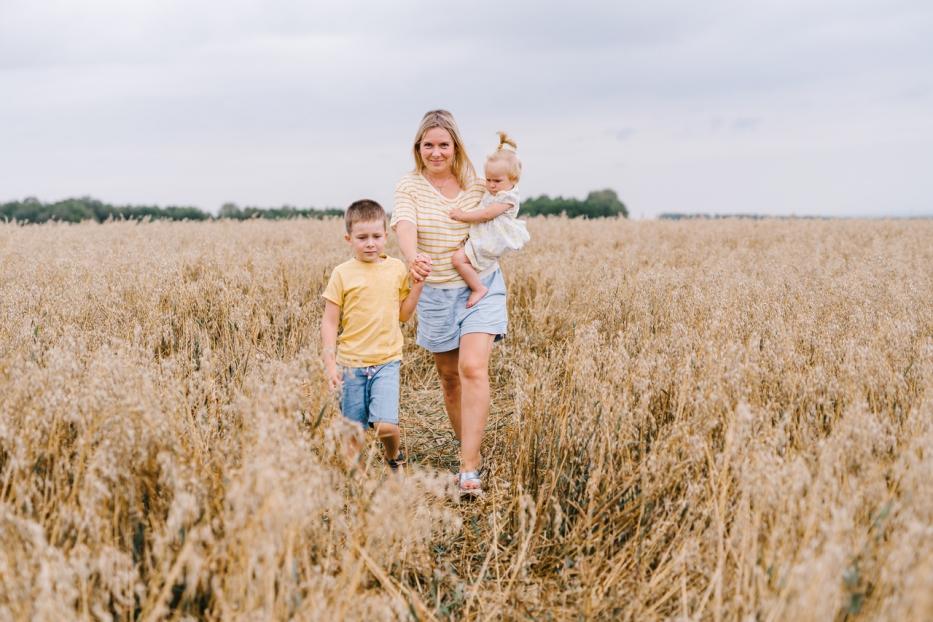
(505, 152)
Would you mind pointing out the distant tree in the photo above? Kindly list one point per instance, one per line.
(26, 210)
(230, 210)
(604, 203)
(288, 211)
(598, 204)
(71, 210)
(186, 213)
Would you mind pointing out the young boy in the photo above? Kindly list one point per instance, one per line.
(368, 296)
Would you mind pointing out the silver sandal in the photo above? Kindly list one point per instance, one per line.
(470, 483)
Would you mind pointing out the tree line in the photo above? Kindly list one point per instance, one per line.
(708, 216)
(31, 210)
(597, 204)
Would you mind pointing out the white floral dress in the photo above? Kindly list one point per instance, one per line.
(491, 239)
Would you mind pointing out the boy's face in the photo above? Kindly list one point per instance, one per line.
(367, 239)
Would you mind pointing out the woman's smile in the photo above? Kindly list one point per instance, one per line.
(437, 149)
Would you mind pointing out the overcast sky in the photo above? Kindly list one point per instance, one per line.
(791, 107)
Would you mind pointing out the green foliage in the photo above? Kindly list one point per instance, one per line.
(232, 210)
(597, 204)
(31, 210)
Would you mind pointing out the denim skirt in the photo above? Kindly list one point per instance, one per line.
(443, 316)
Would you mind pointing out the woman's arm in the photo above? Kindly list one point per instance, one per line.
(407, 233)
(419, 264)
(329, 322)
(483, 215)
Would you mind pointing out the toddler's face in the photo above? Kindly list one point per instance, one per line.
(368, 240)
(497, 177)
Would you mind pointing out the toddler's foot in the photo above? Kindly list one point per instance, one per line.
(476, 296)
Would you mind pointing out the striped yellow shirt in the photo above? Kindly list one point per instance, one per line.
(418, 202)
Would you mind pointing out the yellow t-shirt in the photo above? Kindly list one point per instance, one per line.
(368, 295)
(418, 202)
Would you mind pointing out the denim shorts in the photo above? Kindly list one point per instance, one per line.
(370, 394)
(443, 317)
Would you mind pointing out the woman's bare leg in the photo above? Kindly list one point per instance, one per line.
(448, 371)
(475, 349)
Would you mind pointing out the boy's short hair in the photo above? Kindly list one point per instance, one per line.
(364, 210)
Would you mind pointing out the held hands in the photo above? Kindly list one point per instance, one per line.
(419, 267)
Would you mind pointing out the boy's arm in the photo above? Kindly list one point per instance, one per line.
(482, 215)
(329, 322)
(407, 306)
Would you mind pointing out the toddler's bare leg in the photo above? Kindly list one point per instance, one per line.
(465, 269)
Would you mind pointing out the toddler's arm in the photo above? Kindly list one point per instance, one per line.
(482, 215)
(329, 322)
(407, 306)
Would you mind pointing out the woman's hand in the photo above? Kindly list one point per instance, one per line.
(457, 214)
(419, 267)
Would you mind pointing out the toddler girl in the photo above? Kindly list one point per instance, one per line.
(494, 227)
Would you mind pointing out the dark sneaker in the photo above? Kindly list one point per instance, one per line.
(399, 460)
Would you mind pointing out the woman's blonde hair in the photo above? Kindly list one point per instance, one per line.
(461, 166)
(505, 152)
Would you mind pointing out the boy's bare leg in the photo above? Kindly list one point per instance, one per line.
(466, 271)
(391, 439)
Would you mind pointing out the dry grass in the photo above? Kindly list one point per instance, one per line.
(705, 420)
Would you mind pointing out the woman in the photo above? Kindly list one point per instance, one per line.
(461, 339)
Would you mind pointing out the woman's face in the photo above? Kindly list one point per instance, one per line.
(437, 150)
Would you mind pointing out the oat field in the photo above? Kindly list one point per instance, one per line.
(719, 420)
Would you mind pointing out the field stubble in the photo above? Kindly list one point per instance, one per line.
(701, 420)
